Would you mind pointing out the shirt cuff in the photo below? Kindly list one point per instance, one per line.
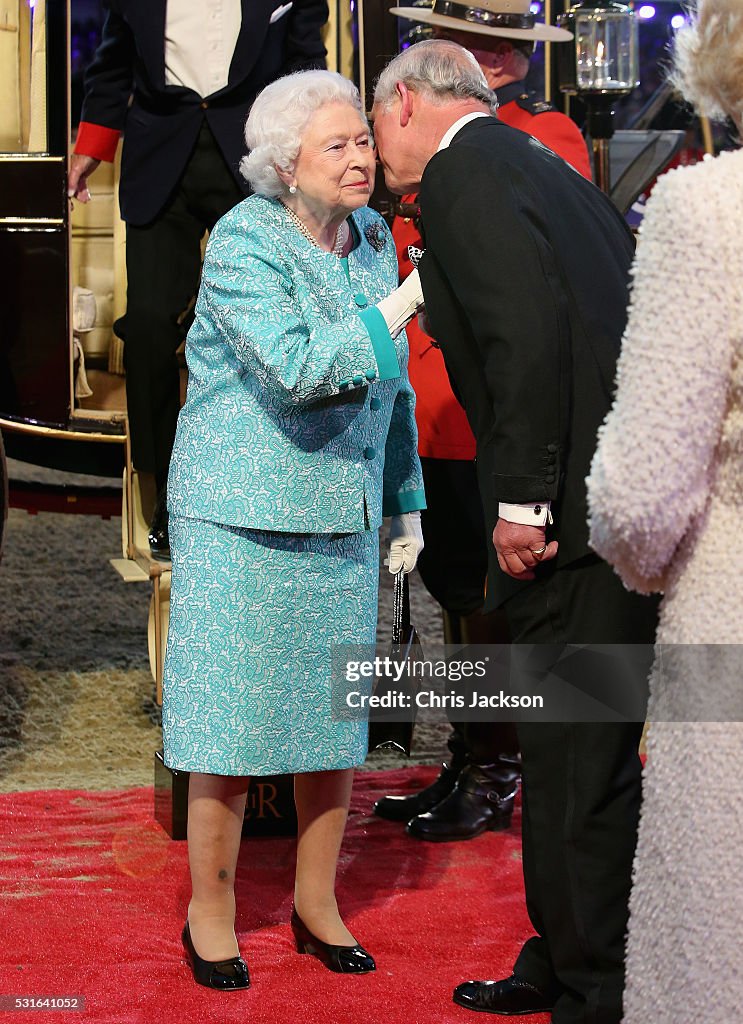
(530, 514)
(382, 343)
(97, 141)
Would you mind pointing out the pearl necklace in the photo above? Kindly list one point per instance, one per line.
(340, 235)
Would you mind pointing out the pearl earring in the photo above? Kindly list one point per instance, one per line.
(292, 189)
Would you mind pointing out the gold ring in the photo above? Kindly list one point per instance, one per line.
(539, 551)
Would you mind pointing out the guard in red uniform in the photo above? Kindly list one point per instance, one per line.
(476, 788)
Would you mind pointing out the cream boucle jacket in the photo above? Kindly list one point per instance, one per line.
(666, 508)
(666, 483)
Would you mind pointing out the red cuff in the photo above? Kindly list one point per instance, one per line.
(96, 141)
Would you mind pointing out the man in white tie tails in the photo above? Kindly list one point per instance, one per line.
(177, 78)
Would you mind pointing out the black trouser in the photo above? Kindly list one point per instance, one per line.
(163, 262)
(453, 566)
(581, 800)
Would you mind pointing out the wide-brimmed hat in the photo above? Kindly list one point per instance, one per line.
(510, 19)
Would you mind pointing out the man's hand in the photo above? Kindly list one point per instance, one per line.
(520, 548)
(423, 322)
(81, 167)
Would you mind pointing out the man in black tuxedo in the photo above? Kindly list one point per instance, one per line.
(525, 278)
(178, 78)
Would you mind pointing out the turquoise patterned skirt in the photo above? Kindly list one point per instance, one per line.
(253, 618)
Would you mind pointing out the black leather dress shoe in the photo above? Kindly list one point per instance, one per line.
(512, 997)
(481, 801)
(341, 959)
(158, 536)
(403, 808)
(225, 975)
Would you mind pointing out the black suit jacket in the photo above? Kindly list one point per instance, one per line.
(162, 122)
(525, 278)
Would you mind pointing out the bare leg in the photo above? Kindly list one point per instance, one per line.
(322, 800)
(216, 806)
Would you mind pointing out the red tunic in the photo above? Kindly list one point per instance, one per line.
(443, 430)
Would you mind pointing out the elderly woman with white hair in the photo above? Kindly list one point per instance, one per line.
(297, 436)
(665, 491)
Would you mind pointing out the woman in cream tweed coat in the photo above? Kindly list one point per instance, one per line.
(666, 500)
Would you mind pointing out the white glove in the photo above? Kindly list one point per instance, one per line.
(401, 306)
(406, 542)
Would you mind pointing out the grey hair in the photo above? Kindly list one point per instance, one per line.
(278, 119)
(440, 69)
(708, 59)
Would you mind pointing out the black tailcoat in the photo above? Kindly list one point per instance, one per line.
(525, 279)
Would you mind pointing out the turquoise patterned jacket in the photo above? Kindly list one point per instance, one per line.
(299, 415)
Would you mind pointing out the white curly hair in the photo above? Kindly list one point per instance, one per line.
(278, 119)
(708, 59)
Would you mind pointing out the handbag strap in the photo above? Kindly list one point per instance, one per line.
(401, 609)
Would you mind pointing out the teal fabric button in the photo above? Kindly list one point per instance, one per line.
(361, 300)
(371, 375)
(375, 404)
(370, 453)
(358, 380)
(344, 384)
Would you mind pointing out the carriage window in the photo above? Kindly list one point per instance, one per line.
(33, 55)
(19, 59)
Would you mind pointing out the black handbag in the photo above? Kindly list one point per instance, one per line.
(393, 730)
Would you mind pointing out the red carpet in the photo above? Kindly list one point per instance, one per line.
(94, 896)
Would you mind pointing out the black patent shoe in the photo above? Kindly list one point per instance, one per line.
(512, 997)
(481, 801)
(341, 959)
(225, 975)
(158, 536)
(403, 808)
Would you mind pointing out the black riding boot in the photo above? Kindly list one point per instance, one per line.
(403, 808)
(481, 801)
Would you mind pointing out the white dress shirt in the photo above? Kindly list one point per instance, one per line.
(532, 513)
(200, 40)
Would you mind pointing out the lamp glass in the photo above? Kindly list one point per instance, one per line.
(605, 51)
